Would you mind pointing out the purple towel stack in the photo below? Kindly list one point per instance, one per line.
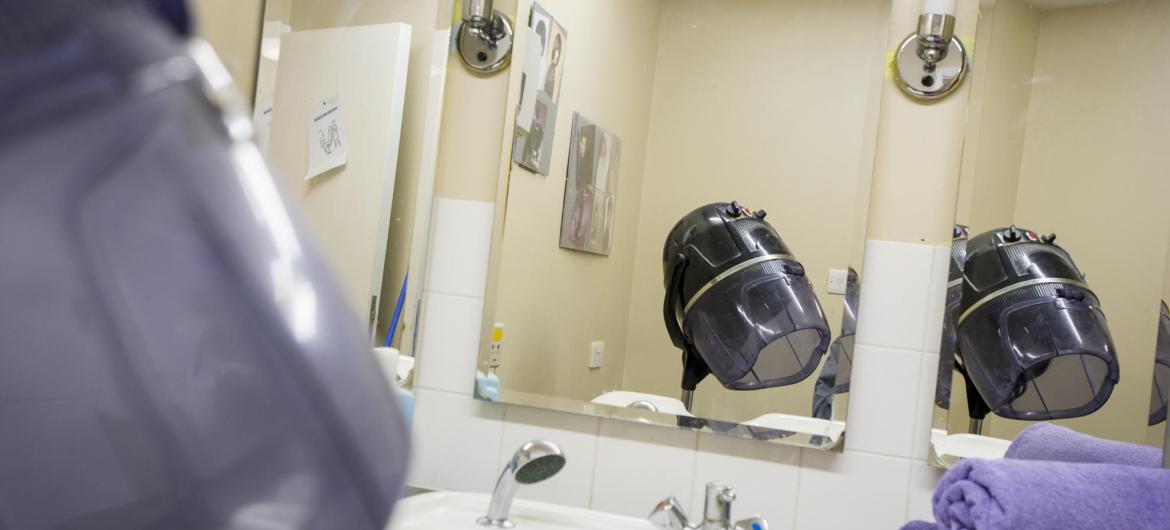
(1056, 478)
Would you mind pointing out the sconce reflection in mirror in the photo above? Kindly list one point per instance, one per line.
(931, 63)
(484, 39)
(738, 303)
(1030, 338)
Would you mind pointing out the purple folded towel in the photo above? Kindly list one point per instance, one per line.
(920, 525)
(1037, 495)
(1045, 441)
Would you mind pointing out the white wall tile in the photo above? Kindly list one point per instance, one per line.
(461, 238)
(851, 491)
(923, 479)
(575, 435)
(763, 475)
(456, 442)
(894, 288)
(924, 416)
(448, 343)
(936, 299)
(883, 401)
(639, 465)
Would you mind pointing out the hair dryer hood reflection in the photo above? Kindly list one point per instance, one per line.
(1031, 333)
(1160, 390)
(176, 352)
(946, 361)
(738, 302)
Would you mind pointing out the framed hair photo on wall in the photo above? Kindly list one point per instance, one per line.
(536, 114)
(591, 188)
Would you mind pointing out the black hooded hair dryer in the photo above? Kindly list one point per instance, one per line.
(738, 303)
(1032, 341)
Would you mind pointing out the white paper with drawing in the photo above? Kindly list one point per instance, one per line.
(328, 145)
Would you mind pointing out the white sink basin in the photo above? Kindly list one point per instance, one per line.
(459, 511)
(950, 448)
(799, 424)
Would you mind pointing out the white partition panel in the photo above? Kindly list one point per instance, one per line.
(348, 207)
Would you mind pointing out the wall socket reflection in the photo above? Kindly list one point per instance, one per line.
(837, 280)
(596, 354)
(496, 348)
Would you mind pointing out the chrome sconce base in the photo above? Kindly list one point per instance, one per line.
(485, 45)
(931, 63)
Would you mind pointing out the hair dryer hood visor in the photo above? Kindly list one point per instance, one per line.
(738, 302)
(1031, 334)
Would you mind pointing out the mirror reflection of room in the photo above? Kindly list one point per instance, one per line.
(1060, 250)
(368, 201)
(605, 169)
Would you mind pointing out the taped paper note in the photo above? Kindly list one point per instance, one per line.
(328, 145)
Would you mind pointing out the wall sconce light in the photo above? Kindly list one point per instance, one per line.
(932, 62)
(484, 39)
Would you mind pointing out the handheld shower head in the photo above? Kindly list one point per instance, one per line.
(533, 462)
(536, 461)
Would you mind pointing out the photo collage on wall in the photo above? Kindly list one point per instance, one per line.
(591, 188)
(540, 83)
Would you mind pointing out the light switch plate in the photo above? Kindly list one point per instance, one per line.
(596, 354)
(837, 280)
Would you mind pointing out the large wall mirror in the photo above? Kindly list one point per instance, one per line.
(682, 212)
(1056, 305)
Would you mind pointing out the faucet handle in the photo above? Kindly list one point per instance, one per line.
(754, 522)
(669, 514)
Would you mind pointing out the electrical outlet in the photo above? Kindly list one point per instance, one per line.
(496, 348)
(838, 278)
(495, 356)
(596, 354)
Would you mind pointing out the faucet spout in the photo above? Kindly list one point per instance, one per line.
(717, 509)
(716, 513)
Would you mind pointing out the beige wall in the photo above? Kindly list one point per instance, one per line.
(470, 100)
(1005, 52)
(1094, 170)
(914, 186)
(233, 29)
(555, 302)
(744, 109)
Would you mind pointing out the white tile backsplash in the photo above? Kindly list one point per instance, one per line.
(851, 490)
(639, 465)
(461, 240)
(625, 468)
(883, 399)
(927, 379)
(576, 436)
(455, 442)
(765, 477)
(448, 343)
(923, 477)
(936, 299)
(894, 288)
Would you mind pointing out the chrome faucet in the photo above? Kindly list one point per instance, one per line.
(716, 513)
(533, 462)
